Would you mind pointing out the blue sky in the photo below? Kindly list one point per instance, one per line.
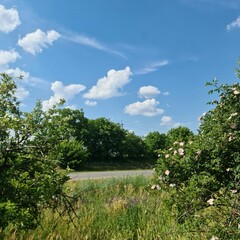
(140, 63)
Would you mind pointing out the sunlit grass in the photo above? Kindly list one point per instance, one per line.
(123, 208)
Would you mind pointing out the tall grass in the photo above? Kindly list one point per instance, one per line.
(121, 209)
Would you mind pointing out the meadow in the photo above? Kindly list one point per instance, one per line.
(117, 208)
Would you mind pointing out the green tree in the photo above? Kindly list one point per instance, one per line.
(179, 134)
(29, 179)
(104, 140)
(70, 153)
(134, 147)
(155, 141)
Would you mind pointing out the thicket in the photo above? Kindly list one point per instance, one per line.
(203, 172)
(29, 176)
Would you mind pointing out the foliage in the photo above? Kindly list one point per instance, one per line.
(29, 179)
(134, 147)
(104, 140)
(118, 208)
(70, 154)
(179, 134)
(205, 173)
(155, 141)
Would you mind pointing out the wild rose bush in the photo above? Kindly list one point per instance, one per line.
(205, 173)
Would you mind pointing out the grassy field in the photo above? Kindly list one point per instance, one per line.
(121, 209)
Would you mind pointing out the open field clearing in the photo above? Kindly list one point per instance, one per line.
(124, 208)
(74, 176)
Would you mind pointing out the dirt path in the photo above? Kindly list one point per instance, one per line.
(108, 174)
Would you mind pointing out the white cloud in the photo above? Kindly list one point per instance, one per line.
(26, 78)
(234, 24)
(166, 93)
(148, 92)
(90, 103)
(62, 92)
(91, 42)
(146, 108)
(9, 19)
(17, 72)
(35, 42)
(166, 121)
(72, 107)
(21, 93)
(152, 67)
(7, 57)
(110, 85)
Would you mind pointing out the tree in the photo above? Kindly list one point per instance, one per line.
(134, 147)
(104, 140)
(179, 134)
(155, 141)
(29, 177)
(70, 153)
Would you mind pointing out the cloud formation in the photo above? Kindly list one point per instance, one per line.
(35, 42)
(90, 103)
(9, 19)
(167, 121)
(62, 92)
(21, 93)
(7, 57)
(234, 24)
(166, 93)
(111, 85)
(146, 108)
(152, 67)
(148, 92)
(91, 42)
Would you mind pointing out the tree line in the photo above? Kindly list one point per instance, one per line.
(36, 145)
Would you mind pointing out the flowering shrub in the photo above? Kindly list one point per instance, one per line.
(206, 170)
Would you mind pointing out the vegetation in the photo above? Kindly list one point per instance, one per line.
(195, 193)
(29, 180)
(205, 173)
(125, 208)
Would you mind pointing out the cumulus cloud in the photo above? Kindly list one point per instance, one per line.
(234, 24)
(17, 72)
(90, 103)
(62, 92)
(111, 85)
(152, 67)
(148, 92)
(35, 42)
(7, 57)
(9, 19)
(26, 77)
(167, 121)
(21, 93)
(146, 108)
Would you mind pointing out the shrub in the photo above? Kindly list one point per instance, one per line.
(70, 154)
(29, 178)
(206, 171)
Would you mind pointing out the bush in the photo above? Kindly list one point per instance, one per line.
(70, 154)
(206, 172)
(29, 177)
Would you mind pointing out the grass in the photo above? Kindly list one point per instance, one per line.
(121, 209)
(118, 165)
